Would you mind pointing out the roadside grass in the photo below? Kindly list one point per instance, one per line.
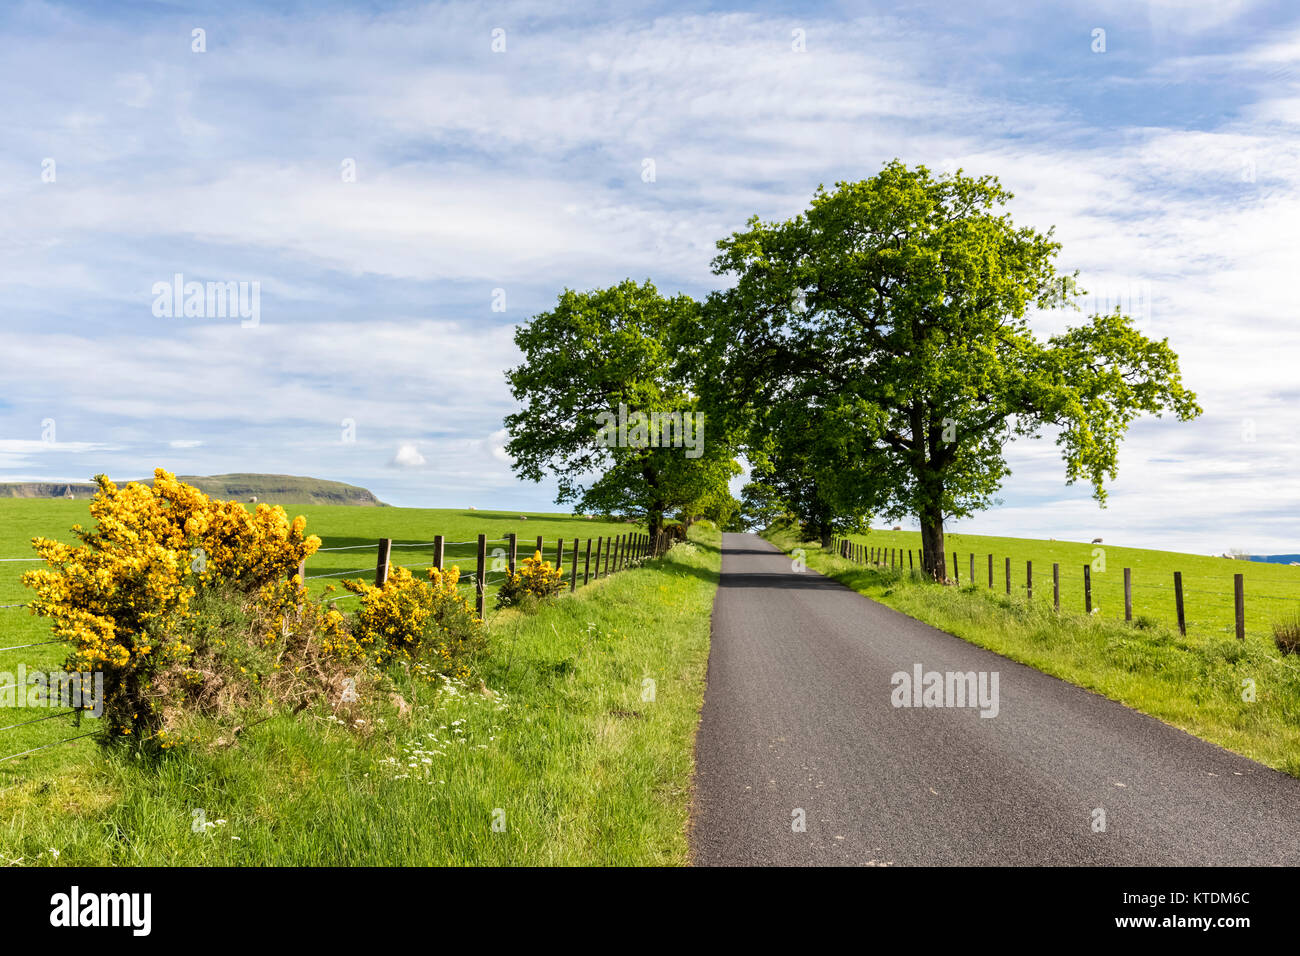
(1197, 683)
(355, 528)
(570, 753)
(1272, 590)
(580, 764)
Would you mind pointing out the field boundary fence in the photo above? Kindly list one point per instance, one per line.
(1009, 580)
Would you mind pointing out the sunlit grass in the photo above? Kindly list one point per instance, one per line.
(583, 769)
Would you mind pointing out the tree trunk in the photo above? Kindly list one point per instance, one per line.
(826, 539)
(655, 520)
(933, 560)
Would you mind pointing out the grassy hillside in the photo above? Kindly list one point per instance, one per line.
(1242, 695)
(340, 526)
(1272, 590)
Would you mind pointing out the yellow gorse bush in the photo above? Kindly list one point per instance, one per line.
(410, 619)
(535, 577)
(122, 595)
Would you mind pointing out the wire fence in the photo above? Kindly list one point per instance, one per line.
(490, 562)
(1218, 611)
(485, 562)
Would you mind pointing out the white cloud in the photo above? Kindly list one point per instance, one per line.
(522, 171)
(408, 456)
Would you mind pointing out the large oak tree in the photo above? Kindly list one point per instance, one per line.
(892, 317)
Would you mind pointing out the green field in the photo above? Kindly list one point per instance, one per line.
(1243, 695)
(1272, 590)
(567, 751)
(355, 530)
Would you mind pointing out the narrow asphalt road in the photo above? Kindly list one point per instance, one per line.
(798, 724)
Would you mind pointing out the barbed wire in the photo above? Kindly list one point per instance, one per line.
(336, 574)
(36, 720)
(18, 647)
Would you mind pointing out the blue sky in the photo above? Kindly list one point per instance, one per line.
(1169, 164)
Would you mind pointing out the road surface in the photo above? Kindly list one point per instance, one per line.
(799, 726)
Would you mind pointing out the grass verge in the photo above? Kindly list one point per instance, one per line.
(1242, 695)
(578, 749)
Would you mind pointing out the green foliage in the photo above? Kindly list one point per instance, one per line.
(876, 350)
(612, 352)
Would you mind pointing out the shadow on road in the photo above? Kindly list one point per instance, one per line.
(788, 580)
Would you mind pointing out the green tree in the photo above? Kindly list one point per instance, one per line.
(761, 505)
(892, 315)
(606, 409)
(815, 466)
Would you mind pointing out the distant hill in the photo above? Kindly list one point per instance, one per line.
(1277, 558)
(267, 489)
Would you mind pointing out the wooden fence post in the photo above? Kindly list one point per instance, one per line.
(300, 572)
(1029, 580)
(972, 569)
(956, 570)
(1128, 594)
(910, 566)
(1178, 599)
(586, 565)
(1087, 588)
(438, 547)
(512, 552)
(559, 553)
(381, 564)
(540, 543)
(608, 542)
(1239, 596)
(1056, 587)
(1008, 575)
(480, 577)
(573, 579)
(600, 540)
(990, 572)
